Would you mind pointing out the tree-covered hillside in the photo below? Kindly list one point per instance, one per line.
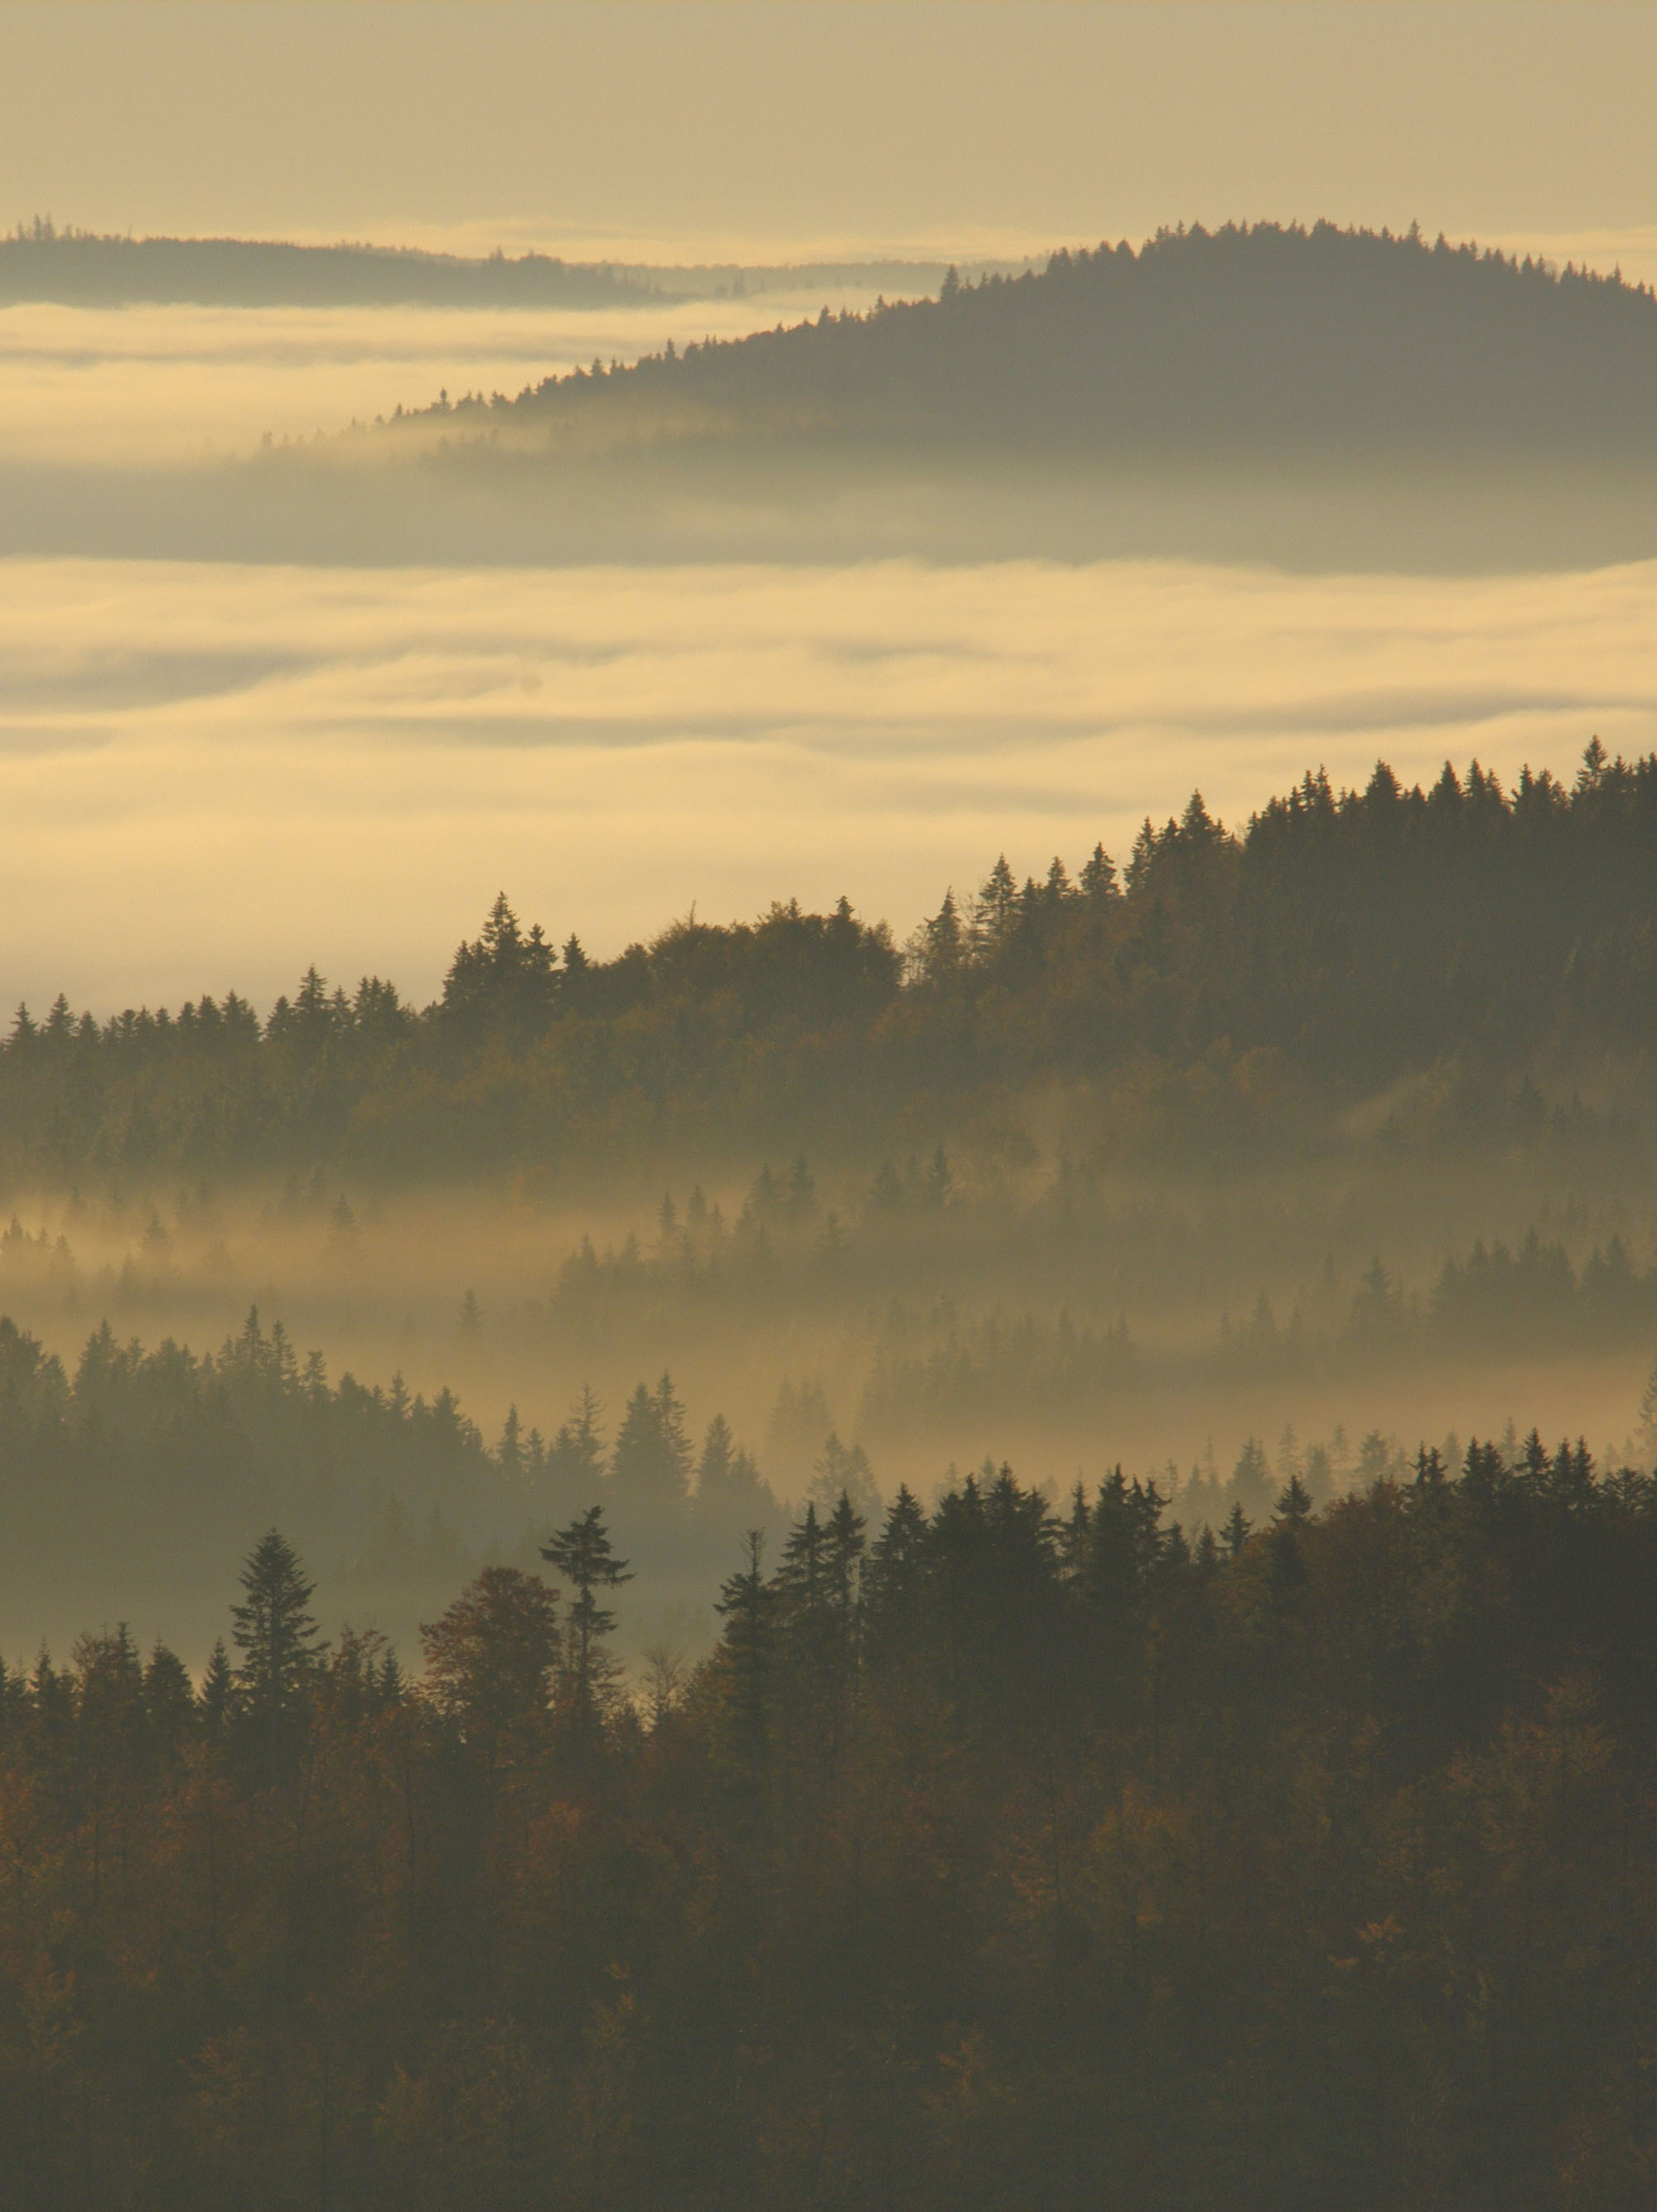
(1000, 1855)
(1261, 341)
(82, 269)
(1229, 990)
(143, 1469)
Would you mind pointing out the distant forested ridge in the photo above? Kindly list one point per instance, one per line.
(1225, 990)
(146, 1466)
(80, 269)
(1002, 1854)
(1259, 341)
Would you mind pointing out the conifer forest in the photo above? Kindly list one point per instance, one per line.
(828, 1106)
(633, 1804)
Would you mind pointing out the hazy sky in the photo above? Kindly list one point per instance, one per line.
(846, 123)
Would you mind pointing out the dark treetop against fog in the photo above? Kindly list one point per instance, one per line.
(1230, 991)
(39, 262)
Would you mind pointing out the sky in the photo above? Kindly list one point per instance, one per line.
(625, 128)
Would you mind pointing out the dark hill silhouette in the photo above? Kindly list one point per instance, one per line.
(1252, 340)
(78, 269)
(1318, 398)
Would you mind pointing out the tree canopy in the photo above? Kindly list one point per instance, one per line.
(1253, 340)
(1239, 987)
(1003, 1851)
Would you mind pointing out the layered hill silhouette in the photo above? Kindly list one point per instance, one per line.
(39, 262)
(74, 268)
(1244, 341)
(1314, 397)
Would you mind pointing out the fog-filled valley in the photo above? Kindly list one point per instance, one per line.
(827, 1217)
(1318, 398)
(1269, 1152)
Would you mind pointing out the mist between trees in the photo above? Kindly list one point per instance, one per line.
(1226, 997)
(917, 1325)
(1338, 1122)
(128, 1483)
(1007, 1851)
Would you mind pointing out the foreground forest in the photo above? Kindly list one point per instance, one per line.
(999, 1855)
(1226, 994)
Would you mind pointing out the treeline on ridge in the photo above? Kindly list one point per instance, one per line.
(999, 1853)
(1250, 340)
(78, 268)
(1227, 993)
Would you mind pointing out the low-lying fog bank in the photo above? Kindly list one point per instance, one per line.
(343, 768)
(855, 1334)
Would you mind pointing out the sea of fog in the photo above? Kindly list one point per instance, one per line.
(213, 774)
(144, 385)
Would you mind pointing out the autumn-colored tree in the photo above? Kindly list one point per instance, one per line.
(583, 1553)
(489, 1661)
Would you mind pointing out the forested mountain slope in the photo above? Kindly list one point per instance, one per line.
(1237, 989)
(80, 269)
(1258, 340)
(999, 1856)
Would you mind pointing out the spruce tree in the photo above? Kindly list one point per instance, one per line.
(651, 1468)
(213, 1700)
(843, 1553)
(388, 1689)
(1430, 1478)
(280, 1644)
(802, 1591)
(1236, 1531)
(731, 1494)
(995, 908)
(1647, 1434)
(895, 1580)
(575, 1457)
(1098, 876)
(1293, 1503)
(747, 1662)
(169, 1701)
(582, 1554)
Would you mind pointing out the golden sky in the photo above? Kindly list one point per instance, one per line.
(622, 127)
